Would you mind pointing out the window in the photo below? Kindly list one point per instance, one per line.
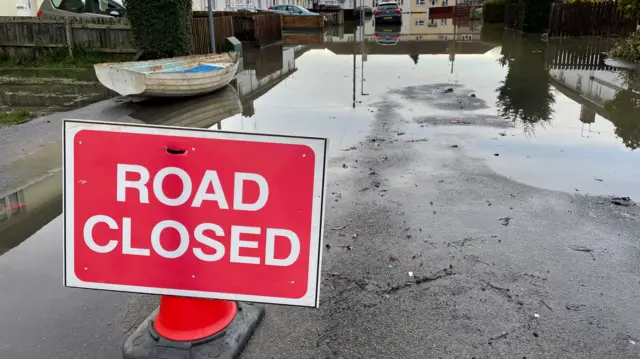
(240, 2)
(420, 2)
(445, 2)
(432, 22)
(419, 22)
(76, 6)
(433, 2)
(443, 37)
(443, 22)
(419, 37)
(249, 2)
(579, 83)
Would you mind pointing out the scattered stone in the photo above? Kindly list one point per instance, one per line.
(505, 220)
(597, 179)
(449, 90)
(496, 154)
(344, 165)
(454, 146)
(473, 95)
(328, 246)
(535, 334)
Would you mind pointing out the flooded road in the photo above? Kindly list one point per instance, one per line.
(467, 214)
(44, 91)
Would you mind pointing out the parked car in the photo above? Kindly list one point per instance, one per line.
(387, 34)
(103, 8)
(388, 12)
(293, 10)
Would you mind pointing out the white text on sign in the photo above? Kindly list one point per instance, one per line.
(205, 234)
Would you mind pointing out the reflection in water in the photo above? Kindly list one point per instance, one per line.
(44, 91)
(24, 212)
(577, 69)
(624, 113)
(525, 94)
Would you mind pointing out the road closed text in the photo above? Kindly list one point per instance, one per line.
(231, 215)
(208, 241)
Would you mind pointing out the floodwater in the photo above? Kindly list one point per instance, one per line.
(548, 114)
(42, 91)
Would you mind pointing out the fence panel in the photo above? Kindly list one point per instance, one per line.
(602, 19)
(26, 38)
(223, 28)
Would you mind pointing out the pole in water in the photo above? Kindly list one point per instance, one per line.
(211, 27)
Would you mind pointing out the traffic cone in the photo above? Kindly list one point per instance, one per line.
(194, 328)
(189, 319)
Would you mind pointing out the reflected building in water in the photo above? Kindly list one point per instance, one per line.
(577, 69)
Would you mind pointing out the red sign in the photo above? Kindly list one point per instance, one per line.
(192, 212)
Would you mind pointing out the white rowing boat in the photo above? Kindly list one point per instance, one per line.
(174, 77)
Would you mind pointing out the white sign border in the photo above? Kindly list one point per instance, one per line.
(319, 145)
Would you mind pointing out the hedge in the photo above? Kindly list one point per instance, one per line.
(161, 28)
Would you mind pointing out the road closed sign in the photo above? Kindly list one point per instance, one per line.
(194, 213)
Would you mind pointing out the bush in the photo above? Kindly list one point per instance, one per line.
(536, 15)
(628, 49)
(631, 8)
(493, 12)
(161, 28)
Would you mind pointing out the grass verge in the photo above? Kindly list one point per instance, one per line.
(16, 117)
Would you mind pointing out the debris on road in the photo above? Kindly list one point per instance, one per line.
(496, 154)
(449, 90)
(598, 179)
(501, 336)
(454, 146)
(505, 220)
(575, 307)
(394, 258)
(621, 201)
(546, 305)
(339, 228)
(583, 249)
(500, 290)
(420, 280)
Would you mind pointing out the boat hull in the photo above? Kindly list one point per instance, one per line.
(175, 77)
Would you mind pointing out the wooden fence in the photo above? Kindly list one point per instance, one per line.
(302, 22)
(263, 28)
(200, 33)
(583, 54)
(30, 37)
(314, 38)
(26, 38)
(589, 19)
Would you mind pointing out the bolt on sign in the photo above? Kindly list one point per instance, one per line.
(192, 212)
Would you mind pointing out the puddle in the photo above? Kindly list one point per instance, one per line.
(44, 91)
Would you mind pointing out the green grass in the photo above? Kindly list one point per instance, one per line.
(16, 117)
(61, 59)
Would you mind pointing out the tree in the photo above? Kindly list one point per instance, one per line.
(525, 95)
(631, 8)
(161, 29)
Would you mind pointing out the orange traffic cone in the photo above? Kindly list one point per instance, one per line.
(188, 319)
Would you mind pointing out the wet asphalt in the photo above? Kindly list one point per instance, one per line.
(450, 231)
